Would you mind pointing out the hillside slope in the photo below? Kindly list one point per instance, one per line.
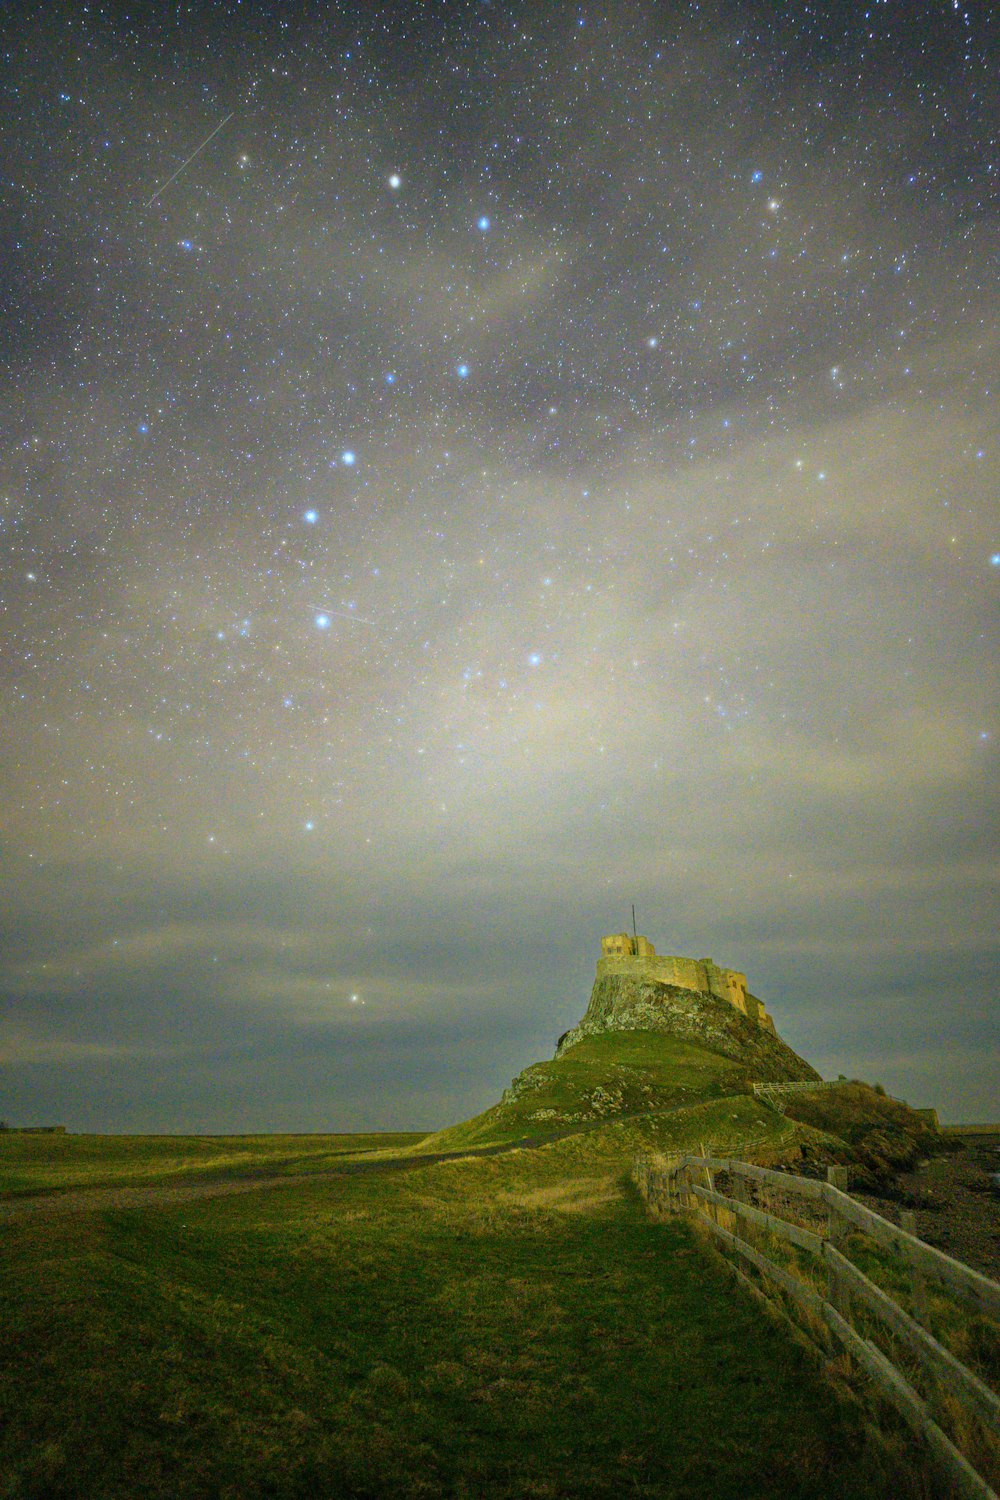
(601, 1078)
(653, 1066)
(642, 1047)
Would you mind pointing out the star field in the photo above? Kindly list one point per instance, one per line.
(467, 468)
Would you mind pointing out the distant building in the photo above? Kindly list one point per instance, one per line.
(623, 953)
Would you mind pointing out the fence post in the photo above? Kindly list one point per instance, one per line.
(710, 1209)
(837, 1293)
(670, 1171)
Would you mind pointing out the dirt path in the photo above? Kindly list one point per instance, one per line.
(257, 1179)
(165, 1194)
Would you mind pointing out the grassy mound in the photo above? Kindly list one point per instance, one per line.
(733, 1125)
(602, 1077)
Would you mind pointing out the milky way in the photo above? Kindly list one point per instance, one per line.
(529, 461)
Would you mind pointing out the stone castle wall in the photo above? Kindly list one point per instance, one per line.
(686, 973)
(636, 958)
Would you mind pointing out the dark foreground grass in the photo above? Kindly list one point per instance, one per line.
(487, 1328)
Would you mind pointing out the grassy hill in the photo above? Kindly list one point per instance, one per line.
(654, 1067)
(602, 1077)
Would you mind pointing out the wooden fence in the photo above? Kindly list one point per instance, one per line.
(803, 1237)
(777, 1094)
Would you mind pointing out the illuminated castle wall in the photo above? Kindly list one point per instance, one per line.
(636, 956)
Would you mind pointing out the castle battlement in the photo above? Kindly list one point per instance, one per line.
(636, 957)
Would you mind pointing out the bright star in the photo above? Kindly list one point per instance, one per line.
(348, 458)
(311, 517)
(462, 371)
(535, 659)
(390, 378)
(309, 827)
(322, 622)
(756, 176)
(483, 223)
(995, 559)
(395, 182)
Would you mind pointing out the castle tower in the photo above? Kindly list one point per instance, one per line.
(623, 952)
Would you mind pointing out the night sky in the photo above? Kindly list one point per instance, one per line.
(467, 468)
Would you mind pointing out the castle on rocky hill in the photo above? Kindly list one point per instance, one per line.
(636, 957)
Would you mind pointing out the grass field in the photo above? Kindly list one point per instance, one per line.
(39, 1163)
(508, 1326)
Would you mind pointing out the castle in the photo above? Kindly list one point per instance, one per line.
(636, 957)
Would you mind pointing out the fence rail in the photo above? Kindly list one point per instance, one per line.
(818, 1218)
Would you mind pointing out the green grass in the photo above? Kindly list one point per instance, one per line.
(40, 1163)
(510, 1326)
(602, 1076)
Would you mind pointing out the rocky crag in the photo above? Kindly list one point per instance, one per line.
(621, 1002)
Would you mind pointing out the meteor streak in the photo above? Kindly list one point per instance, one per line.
(190, 159)
(342, 614)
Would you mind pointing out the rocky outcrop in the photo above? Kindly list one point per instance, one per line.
(619, 1002)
